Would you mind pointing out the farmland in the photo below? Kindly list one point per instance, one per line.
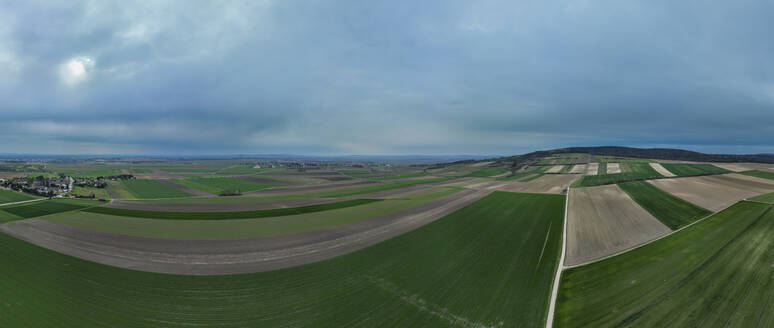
(229, 215)
(487, 172)
(221, 228)
(670, 210)
(10, 196)
(223, 184)
(759, 174)
(634, 172)
(378, 286)
(603, 220)
(151, 189)
(715, 273)
(684, 170)
(715, 192)
(41, 208)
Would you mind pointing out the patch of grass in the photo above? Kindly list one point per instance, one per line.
(759, 174)
(190, 184)
(116, 191)
(230, 215)
(673, 212)
(716, 273)
(142, 188)
(10, 196)
(245, 228)
(87, 191)
(228, 184)
(465, 269)
(685, 170)
(45, 207)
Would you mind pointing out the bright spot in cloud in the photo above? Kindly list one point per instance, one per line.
(76, 70)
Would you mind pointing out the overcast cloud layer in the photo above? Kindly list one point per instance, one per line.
(384, 77)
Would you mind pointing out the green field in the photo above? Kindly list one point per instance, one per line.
(515, 176)
(766, 198)
(487, 172)
(230, 215)
(673, 212)
(245, 228)
(759, 174)
(685, 170)
(88, 191)
(116, 190)
(631, 171)
(141, 188)
(89, 172)
(222, 184)
(486, 265)
(134, 170)
(10, 196)
(716, 273)
(41, 208)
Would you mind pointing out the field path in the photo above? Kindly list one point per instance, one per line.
(199, 257)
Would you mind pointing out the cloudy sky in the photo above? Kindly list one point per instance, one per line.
(384, 77)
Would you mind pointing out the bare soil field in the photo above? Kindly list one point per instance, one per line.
(604, 220)
(661, 170)
(739, 167)
(308, 189)
(592, 169)
(555, 169)
(578, 169)
(715, 192)
(232, 256)
(613, 168)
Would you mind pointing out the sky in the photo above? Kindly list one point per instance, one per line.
(384, 77)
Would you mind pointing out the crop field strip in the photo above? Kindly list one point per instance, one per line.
(765, 198)
(685, 170)
(715, 273)
(230, 215)
(672, 211)
(487, 172)
(147, 189)
(11, 196)
(636, 171)
(661, 170)
(759, 174)
(422, 278)
(533, 177)
(221, 184)
(198, 229)
(41, 208)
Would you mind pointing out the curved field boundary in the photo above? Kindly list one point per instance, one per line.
(208, 257)
(471, 269)
(229, 215)
(12, 196)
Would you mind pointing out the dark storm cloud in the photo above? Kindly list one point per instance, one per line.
(337, 77)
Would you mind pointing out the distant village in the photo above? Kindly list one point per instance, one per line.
(56, 186)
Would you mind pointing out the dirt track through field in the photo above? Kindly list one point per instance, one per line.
(613, 168)
(232, 256)
(604, 220)
(592, 169)
(661, 170)
(578, 169)
(715, 192)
